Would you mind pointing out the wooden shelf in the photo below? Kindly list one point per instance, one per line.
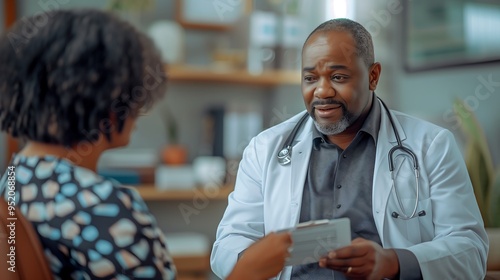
(151, 193)
(185, 73)
(192, 267)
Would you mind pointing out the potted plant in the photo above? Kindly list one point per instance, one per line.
(485, 179)
(173, 153)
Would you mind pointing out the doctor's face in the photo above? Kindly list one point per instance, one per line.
(336, 83)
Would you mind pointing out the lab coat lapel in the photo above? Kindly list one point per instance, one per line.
(301, 152)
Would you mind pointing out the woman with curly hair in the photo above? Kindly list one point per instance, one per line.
(72, 86)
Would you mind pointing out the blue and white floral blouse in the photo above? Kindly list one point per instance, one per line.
(89, 226)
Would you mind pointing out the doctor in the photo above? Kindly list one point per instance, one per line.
(419, 221)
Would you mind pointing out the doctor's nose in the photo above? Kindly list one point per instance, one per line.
(324, 89)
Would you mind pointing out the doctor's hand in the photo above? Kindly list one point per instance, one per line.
(264, 259)
(363, 259)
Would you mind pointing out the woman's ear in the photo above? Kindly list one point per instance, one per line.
(374, 75)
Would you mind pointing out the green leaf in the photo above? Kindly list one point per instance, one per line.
(473, 131)
(494, 200)
(473, 162)
(480, 165)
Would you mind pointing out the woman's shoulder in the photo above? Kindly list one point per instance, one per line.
(98, 189)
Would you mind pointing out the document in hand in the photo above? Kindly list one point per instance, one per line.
(314, 239)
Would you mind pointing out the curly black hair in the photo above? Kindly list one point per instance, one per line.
(62, 77)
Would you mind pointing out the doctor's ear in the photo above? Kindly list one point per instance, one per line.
(374, 74)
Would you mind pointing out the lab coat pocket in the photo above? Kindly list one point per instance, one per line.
(419, 228)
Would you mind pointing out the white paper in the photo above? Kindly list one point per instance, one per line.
(313, 240)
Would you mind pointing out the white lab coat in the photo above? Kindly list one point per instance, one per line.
(449, 241)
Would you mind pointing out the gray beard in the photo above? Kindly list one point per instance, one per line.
(333, 128)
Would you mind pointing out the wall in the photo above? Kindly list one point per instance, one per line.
(430, 94)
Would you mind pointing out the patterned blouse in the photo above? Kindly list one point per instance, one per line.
(89, 226)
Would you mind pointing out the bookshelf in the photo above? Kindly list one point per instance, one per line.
(186, 74)
(268, 78)
(152, 193)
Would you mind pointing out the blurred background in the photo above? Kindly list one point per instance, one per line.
(233, 67)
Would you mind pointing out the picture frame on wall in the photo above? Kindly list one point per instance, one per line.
(211, 15)
(443, 34)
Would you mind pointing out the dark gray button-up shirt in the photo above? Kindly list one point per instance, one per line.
(339, 184)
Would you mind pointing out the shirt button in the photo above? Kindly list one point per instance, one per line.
(344, 155)
(339, 186)
(338, 206)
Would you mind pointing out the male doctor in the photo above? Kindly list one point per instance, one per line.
(340, 168)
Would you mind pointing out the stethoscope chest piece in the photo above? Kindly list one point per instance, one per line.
(285, 156)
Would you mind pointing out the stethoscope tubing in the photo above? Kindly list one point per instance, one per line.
(285, 157)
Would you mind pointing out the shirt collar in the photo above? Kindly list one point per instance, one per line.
(371, 125)
(372, 122)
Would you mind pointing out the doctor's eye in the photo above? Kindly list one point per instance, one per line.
(309, 79)
(338, 78)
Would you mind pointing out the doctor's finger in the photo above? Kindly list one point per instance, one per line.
(340, 264)
(358, 248)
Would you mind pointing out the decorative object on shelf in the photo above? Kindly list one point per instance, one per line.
(228, 59)
(227, 130)
(173, 153)
(289, 45)
(485, 180)
(169, 38)
(123, 176)
(282, 7)
(179, 177)
(212, 132)
(441, 34)
(129, 158)
(210, 171)
(129, 166)
(256, 34)
(213, 15)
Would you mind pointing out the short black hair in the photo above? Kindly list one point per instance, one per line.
(363, 39)
(63, 74)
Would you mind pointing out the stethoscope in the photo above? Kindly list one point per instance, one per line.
(285, 157)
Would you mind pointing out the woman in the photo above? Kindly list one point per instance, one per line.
(72, 85)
